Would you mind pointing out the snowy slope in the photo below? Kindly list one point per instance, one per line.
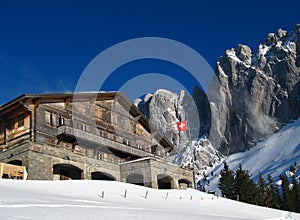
(273, 156)
(199, 155)
(81, 199)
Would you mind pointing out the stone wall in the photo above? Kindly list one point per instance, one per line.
(173, 171)
(18, 152)
(151, 169)
(39, 161)
(140, 167)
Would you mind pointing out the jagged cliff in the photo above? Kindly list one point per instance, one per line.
(165, 109)
(251, 96)
(256, 92)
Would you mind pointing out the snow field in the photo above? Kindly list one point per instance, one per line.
(84, 199)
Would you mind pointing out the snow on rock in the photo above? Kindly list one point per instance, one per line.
(222, 73)
(82, 199)
(263, 49)
(199, 155)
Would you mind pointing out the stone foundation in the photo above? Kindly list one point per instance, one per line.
(40, 161)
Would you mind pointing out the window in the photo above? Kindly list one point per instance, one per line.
(106, 116)
(61, 121)
(21, 120)
(11, 124)
(82, 126)
(126, 142)
(99, 155)
(50, 119)
(101, 133)
(1, 128)
(154, 149)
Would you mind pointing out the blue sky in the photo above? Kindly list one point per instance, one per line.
(46, 45)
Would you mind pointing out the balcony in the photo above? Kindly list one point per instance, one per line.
(69, 133)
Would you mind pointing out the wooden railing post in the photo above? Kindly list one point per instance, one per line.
(1, 170)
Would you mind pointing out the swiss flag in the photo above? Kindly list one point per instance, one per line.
(182, 125)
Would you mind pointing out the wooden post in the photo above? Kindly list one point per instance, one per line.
(125, 194)
(32, 108)
(1, 170)
(25, 174)
(102, 195)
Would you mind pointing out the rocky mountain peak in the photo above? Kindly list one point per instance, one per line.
(253, 93)
(244, 53)
(258, 91)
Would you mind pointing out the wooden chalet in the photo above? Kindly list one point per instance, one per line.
(97, 136)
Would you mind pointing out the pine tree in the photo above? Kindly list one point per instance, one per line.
(263, 192)
(296, 195)
(244, 186)
(277, 200)
(202, 188)
(287, 198)
(292, 169)
(226, 182)
(274, 195)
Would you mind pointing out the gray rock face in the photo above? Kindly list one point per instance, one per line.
(164, 109)
(256, 92)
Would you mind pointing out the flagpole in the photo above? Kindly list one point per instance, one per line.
(183, 126)
(194, 153)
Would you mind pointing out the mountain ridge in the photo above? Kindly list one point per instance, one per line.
(251, 95)
(254, 94)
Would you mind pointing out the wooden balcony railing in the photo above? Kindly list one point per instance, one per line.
(97, 138)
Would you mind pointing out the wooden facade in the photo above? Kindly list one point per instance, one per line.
(12, 171)
(101, 126)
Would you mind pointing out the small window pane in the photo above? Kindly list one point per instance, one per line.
(11, 124)
(21, 120)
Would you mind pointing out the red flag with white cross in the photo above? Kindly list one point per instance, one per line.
(182, 126)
